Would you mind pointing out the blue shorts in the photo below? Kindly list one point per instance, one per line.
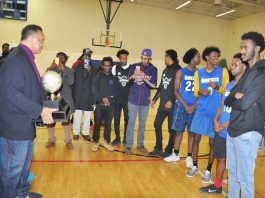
(202, 125)
(181, 119)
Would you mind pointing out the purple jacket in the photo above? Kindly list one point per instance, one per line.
(140, 91)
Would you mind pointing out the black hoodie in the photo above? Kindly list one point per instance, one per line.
(165, 90)
(248, 113)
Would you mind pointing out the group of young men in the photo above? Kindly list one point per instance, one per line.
(196, 100)
(106, 90)
(204, 102)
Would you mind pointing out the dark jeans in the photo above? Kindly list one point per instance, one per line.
(120, 104)
(15, 160)
(161, 115)
(103, 113)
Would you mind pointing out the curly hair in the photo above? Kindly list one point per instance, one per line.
(208, 50)
(189, 55)
(255, 37)
(122, 51)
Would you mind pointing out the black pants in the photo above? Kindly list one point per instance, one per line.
(106, 114)
(120, 104)
(161, 115)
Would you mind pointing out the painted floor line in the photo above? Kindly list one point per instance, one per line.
(113, 161)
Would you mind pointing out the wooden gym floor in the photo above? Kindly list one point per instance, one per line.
(80, 173)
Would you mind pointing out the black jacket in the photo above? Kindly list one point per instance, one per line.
(105, 86)
(248, 113)
(21, 96)
(82, 89)
(165, 90)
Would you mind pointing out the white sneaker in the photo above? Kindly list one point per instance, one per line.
(172, 158)
(189, 162)
(207, 177)
(108, 146)
(192, 172)
(95, 147)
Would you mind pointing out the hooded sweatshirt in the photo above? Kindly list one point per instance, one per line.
(165, 90)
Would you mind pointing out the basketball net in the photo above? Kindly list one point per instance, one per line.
(107, 43)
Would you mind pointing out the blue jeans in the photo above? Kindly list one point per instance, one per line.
(15, 160)
(142, 116)
(241, 161)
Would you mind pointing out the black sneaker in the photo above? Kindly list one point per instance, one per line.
(86, 137)
(211, 189)
(76, 137)
(165, 154)
(155, 153)
(116, 142)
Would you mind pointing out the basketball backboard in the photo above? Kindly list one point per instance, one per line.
(107, 38)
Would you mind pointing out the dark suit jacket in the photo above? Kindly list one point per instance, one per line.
(21, 96)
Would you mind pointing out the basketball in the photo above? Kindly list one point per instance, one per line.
(51, 81)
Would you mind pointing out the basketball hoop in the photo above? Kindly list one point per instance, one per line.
(106, 38)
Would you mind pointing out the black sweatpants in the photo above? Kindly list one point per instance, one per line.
(161, 115)
(120, 104)
(103, 113)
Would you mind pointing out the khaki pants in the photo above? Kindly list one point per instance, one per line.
(51, 132)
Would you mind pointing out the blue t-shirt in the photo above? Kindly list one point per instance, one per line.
(208, 105)
(187, 86)
(225, 116)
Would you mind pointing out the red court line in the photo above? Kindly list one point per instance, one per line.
(109, 161)
(94, 161)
